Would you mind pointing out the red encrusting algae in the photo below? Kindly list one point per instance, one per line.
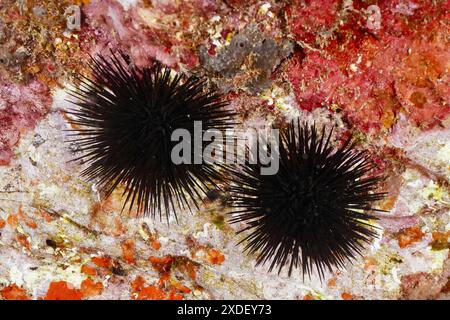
(372, 74)
(21, 107)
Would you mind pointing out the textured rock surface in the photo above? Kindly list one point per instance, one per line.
(386, 81)
(247, 62)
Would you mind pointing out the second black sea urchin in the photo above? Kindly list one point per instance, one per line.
(124, 120)
(314, 212)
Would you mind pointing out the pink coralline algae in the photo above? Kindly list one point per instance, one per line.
(113, 27)
(21, 107)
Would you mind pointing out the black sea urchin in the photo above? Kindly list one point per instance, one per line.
(124, 120)
(314, 211)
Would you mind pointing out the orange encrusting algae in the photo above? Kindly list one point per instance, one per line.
(331, 283)
(151, 293)
(12, 220)
(142, 292)
(61, 290)
(128, 251)
(156, 245)
(346, 296)
(409, 236)
(215, 257)
(23, 241)
(88, 270)
(90, 288)
(164, 265)
(14, 292)
(104, 262)
(167, 288)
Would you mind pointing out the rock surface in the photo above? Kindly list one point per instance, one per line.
(379, 72)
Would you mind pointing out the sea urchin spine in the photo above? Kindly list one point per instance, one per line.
(123, 122)
(315, 211)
